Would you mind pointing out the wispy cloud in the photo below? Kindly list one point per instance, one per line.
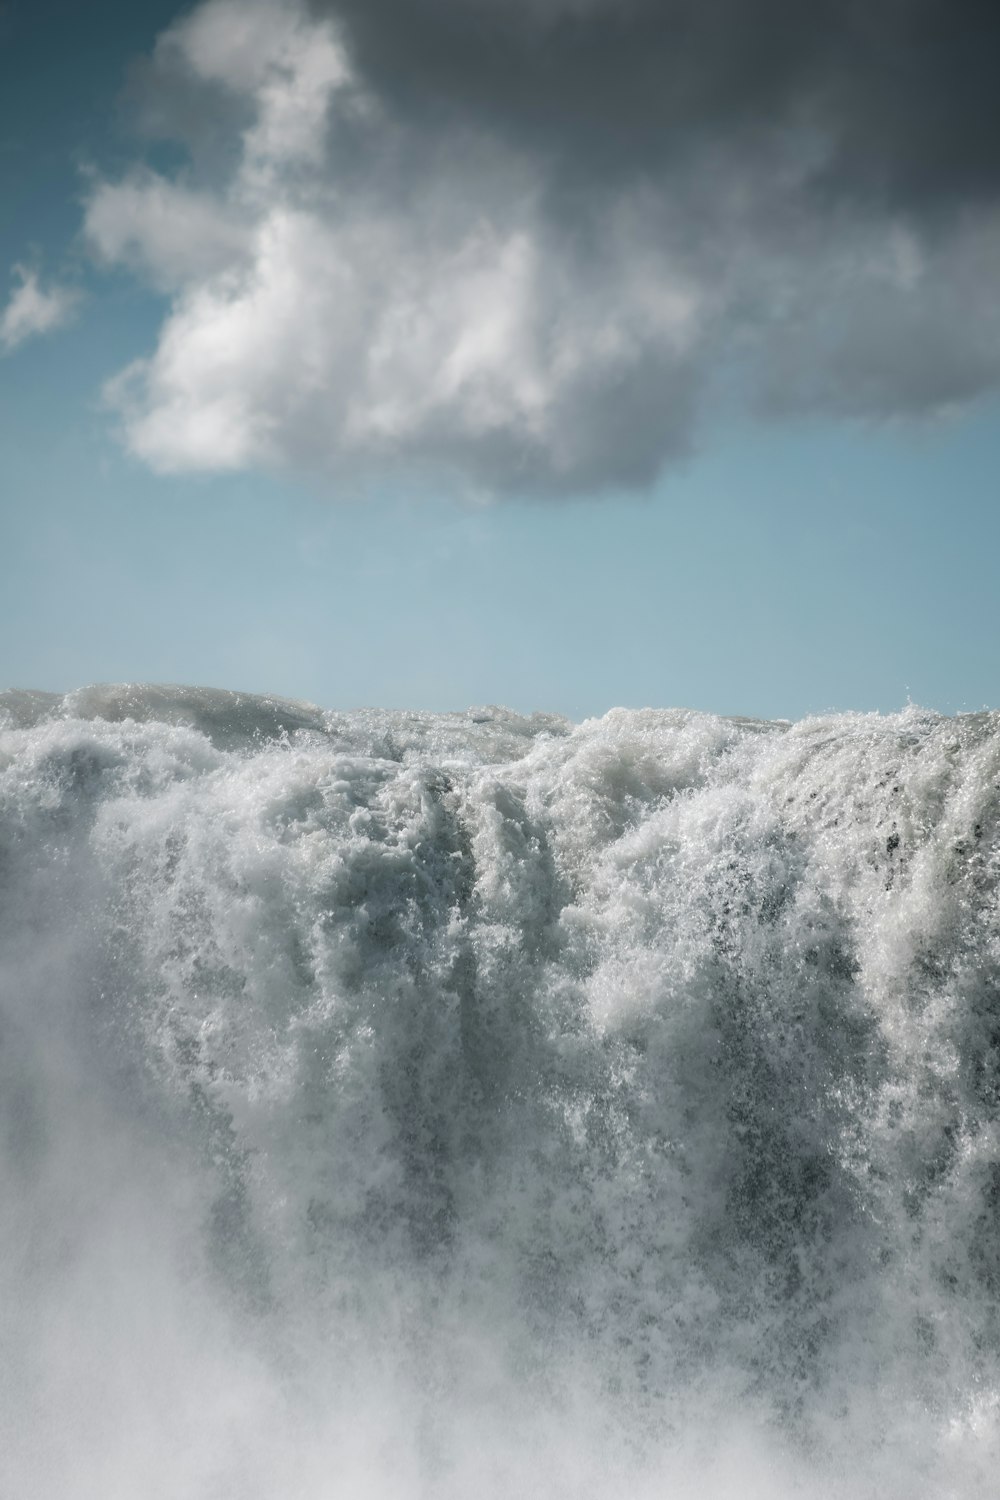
(521, 240)
(33, 309)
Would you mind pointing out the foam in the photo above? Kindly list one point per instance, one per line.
(400, 1104)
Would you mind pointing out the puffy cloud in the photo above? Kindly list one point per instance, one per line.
(272, 53)
(170, 233)
(32, 309)
(520, 241)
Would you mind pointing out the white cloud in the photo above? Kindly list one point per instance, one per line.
(167, 232)
(310, 326)
(274, 53)
(33, 309)
(353, 288)
(346, 339)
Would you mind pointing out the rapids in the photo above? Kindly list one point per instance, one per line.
(410, 1105)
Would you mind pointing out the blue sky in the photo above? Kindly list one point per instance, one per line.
(772, 565)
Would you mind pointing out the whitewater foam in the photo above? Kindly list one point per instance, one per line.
(404, 1105)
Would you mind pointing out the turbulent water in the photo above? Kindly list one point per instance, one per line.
(404, 1105)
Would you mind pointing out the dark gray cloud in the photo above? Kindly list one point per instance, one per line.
(901, 95)
(521, 239)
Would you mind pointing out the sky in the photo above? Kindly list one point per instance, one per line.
(555, 353)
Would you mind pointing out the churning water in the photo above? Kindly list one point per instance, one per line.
(401, 1105)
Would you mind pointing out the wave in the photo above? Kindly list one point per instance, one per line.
(409, 1104)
